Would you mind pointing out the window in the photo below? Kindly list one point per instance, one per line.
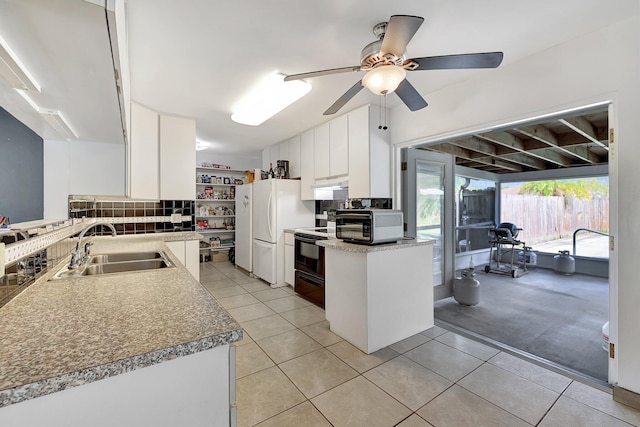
(475, 202)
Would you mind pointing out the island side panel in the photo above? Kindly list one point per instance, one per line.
(400, 294)
(346, 295)
(190, 390)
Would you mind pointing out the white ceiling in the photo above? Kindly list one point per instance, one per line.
(197, 58)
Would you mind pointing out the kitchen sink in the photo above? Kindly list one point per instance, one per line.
(122, 262)
(122, 267)
(128, 256)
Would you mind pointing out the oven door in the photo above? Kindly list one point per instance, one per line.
(310, 287)
(309, 257)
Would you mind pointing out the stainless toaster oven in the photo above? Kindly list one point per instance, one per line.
(369, 226)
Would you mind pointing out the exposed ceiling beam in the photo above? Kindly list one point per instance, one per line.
(546, 136)
(584, 128)
(469, 155)
(511, 141)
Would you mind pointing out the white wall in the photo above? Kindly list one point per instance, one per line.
(601, 66)
(80, 167)
(249, 161)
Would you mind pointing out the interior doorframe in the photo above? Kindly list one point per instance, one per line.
(611, 100)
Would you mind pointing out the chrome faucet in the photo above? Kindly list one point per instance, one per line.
(79, 255)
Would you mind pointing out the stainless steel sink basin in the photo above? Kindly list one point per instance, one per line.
(122, 267)
(121, 262)
(125, 256)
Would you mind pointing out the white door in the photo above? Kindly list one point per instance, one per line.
(429, 211)
(264, 261)
(264, 208)
(244, 227)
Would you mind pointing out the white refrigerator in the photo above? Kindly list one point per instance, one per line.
(276, 207)
(244, 227)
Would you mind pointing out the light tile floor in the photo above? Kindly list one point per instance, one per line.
(293, 371)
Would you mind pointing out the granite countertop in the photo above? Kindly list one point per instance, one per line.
(62, 333)
(352, 247)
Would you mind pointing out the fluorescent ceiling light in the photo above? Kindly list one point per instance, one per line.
(55, 119)
(30, 101)
(269, 98)
(13, 72)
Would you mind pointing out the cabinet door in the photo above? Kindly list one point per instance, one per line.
(307, 176)
(192, 257)
(177, 158)
(321, 151)
(359, 182)
(283, 151)
(339, 146)
(177, 248)
(144, 154)
(294, 157)
(266, 158)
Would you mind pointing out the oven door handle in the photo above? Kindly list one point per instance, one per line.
(306, 239)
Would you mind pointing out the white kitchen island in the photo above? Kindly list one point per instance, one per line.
(378, 295)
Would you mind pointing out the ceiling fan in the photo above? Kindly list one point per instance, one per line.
(386, 64)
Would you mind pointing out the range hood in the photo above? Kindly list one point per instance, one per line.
(340, 183)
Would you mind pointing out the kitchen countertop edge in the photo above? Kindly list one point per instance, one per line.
(341, 245)
(229, 333)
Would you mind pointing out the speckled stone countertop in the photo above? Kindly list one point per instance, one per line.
(63, 333)
(352, 247)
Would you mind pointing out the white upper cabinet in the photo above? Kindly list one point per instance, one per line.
(283, 151)
(144, 167)
(294, 157)
(321, 159)
(177, 158)
(339, 146)
(307, 174)
(270, 156)
(369, 156)
(162, 154)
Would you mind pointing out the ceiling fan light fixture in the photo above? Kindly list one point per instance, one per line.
(269, 98)
(384, 79)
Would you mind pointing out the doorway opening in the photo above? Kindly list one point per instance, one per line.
(552, 318)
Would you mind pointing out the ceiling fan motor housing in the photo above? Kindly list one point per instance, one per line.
(370, 56)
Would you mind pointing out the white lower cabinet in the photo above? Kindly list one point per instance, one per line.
(289, 258)
(193, 390)
(188, 253)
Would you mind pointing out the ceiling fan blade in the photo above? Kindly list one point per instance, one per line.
(344, 99)
(322, 73)
(410, 96)
(400, 31)
(465, 60)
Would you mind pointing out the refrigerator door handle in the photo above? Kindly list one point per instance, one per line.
(269, 216)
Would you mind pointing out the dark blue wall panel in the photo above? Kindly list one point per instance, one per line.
(21, 171)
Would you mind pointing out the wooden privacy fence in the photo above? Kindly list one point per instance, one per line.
(545, 218)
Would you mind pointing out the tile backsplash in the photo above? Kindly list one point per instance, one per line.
(140, 216)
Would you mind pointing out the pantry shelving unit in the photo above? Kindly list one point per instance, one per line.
(215, 207)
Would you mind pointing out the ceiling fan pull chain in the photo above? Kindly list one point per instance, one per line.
(385, 112)
(380, 112)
